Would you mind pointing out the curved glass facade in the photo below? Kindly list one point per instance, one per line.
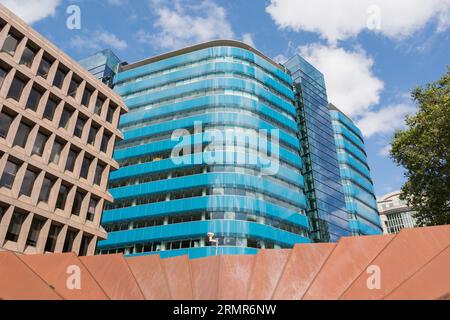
(211, 145)
(358, 187)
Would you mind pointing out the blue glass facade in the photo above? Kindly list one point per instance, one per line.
(358, 187)
(226, 95)
(104, 65)
(326, 201)
(199, 118)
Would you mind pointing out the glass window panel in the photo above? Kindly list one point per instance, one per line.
(92, 135)
(56, 153)
(79, 127)
(52, 238)
(70, 164)
(39, 144)
(84, 247)
(77, 203)
(73, 88)
(44, 68)
(9, 175)
(22, 135)
(105, 142)
(98, 106)
(2, 212)
(28, 57)
(15, 226)
(16, 89)
(252, 243)
(28, 183)
(35, 230)
(65, 118)
(99, 174)
(70, 239)
(110, 114)
(92, 208)
(10, 44)
(3, 74)
(86, 97)
(59, 78)
(62, 197)
(50, 108)
(33, 99)
(5, 123)
(46, 189)
(85, 168)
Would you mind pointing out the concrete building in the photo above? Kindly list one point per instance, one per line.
(355, 174)
(395, 213)
(58, 127)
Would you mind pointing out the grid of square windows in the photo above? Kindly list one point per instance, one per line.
(16, 225)
(40, 143)
(47, 187)
(44, 144)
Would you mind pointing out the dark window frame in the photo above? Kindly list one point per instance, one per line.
(27, 186)
(22, 134)
(15, 92)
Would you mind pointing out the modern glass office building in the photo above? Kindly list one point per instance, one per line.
(221, 139)
(229, 114)
(326, 200)
(104, 65)
(358, 187)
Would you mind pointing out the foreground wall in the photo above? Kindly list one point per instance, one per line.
(411, 265)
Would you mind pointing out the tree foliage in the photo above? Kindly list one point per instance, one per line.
(423, 149)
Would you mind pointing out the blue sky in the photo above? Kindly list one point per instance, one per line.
(372, 52)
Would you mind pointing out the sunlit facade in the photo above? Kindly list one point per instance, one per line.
(326, 201)
(168, 206)
(169, 195)
(355, 173)
(58, 127)
(395, 214)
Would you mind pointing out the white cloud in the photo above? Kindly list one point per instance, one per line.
(350, 82)
(185, 24)
(385, 151)
(280, 58)
(386, 120)
(98, 40)
(31, 10)
(339, 20)
(353, 88)
(248, 39)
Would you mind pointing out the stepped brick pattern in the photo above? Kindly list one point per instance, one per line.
(415, 264)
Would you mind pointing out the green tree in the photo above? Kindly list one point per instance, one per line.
(423, 149)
